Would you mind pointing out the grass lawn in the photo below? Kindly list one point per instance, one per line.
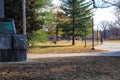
(62, 47)
(112, 41)
(73, 68)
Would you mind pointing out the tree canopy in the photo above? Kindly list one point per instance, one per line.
(79, 13)
(13, 9)
(73, 21)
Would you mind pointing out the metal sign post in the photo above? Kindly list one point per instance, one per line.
(24, 16)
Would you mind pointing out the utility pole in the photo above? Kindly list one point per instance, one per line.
(1, 8)
(97, 35)
(24, 16)
(93, 34)
(93, 28)
(73, 24)
(85, 36)
(56, 19)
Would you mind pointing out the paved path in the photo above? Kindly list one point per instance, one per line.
(113, 48)
(35, 56)
(109, 46)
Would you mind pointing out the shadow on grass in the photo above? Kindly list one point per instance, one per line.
(54, 46)
(51, 46)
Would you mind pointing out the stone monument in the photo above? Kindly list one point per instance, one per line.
(12, 45)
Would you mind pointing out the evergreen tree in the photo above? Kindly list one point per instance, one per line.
(79, 13)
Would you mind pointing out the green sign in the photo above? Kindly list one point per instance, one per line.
(6, 27)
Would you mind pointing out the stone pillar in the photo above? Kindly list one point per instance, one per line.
(1, 8)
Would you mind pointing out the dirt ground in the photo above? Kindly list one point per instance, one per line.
(74, 68)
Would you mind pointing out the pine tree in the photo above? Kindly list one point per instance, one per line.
(79, 13)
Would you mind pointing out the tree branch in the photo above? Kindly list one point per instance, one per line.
(114, 4)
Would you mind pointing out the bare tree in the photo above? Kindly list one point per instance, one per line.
(117, 21)
(110, 32)
(115, 29)
(104, 26)
(117, 24)
(115, 3)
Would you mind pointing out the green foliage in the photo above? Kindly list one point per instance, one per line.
(13, 9)
(38, 36)
(42, 3)
(79, 13)
(47, 17)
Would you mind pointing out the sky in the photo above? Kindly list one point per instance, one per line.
(106, 14)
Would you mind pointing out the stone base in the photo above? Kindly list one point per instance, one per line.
(13, 55)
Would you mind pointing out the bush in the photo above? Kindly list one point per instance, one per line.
(38, 36)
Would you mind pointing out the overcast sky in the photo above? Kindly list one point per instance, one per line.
(104, 14)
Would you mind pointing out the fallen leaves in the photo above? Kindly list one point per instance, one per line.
(74, 68)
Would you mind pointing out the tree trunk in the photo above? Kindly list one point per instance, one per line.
(57, 33)
(73, 26)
